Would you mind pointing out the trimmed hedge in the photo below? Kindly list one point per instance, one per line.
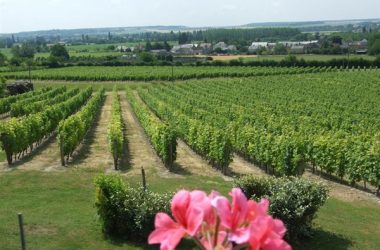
(128, 212)
(293, 200)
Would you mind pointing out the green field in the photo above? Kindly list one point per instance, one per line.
(94, 50)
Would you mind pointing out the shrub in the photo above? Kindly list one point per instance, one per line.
(127, 212)
(293, 200)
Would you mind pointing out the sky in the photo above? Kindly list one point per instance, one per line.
(31, 15)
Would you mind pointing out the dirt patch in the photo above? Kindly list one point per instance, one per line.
(240, 166)
(34, 229)
(46, 156)
(94, 152)
(140, 151)
(188, 162)
(341, 191)
(229, 57)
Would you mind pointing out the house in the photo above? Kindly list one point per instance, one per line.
(224, 47)
(160, 51)
(257, 45)
(184, 49)
(298, 49)
(363, 43)
(361, 51)
(231, 48)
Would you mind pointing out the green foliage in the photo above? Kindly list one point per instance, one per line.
(293, 200)
(25, 52)
(72, 130)
(3, 59)
(125, 211)
(265, 120)
(149, 73)
(22, 107)
(162, 136)
(59, 51)
(3, 87)
(6, 103)
(37, 105)
(17, 135)
(115, 129)
(280, 49)
(209, 141)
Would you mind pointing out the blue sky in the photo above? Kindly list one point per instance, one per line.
(27, 15)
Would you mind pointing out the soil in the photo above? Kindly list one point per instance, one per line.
(140, 152)
(94, 152)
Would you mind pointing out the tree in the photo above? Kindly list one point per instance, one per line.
(148, 46)
(183, 38)
(3, 59)
(375, 47)
(59, 51)
(24, 52)
(2, 86)
(374, 44)
(336, 40)
(146, 57)
(280, 49)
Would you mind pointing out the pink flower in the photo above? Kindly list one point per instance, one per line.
(216, 224)
(266, 233)
(209, 240)
(237, 216)
(188, 210)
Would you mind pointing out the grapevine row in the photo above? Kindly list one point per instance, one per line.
(5, 103)
(34, 107)
(209, 141)
(17, 108)
(115, 129)
(149, 73)
(19, 135)
(72, 130)
(162, 136)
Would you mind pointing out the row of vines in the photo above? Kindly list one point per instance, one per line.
(164, 73)
(73, 129)
(115, 129)
(17, 135)
(329, 121)
(162, 136)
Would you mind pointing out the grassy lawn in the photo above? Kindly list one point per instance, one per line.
(59, 212)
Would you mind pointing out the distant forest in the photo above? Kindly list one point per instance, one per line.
(226, 35)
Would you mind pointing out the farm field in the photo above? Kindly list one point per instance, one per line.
(94, 50)
(224, 127)
(150, 73)
(307, 57)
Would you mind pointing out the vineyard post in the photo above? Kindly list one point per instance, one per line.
(61, 151)
(22, 235)
(143, 178)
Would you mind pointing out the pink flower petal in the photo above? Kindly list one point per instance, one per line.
(179, 206)
(194, 220)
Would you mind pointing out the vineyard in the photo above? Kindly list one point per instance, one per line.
(150, 73)
(197, 133)
(284, 124)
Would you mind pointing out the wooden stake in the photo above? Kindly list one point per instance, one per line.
(22, 235)
(143, 178)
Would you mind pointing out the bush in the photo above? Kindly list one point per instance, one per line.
(127, 212)
(293, 200)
